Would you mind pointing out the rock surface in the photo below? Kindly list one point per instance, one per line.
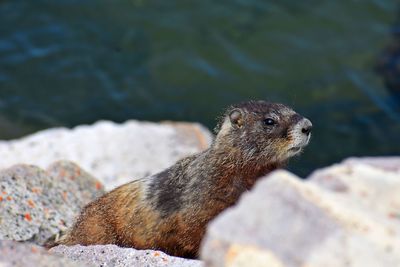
(344, 215)
(15, 254)
(111, 255)
(36, 204)
(114, 153)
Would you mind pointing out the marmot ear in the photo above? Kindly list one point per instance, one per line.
(236, 117)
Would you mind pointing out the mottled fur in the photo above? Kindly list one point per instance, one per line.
(170, 210)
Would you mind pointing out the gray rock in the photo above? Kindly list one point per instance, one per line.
(114, 153)
(288, 222)
(37, 204)
(15, 254)
(111, 255)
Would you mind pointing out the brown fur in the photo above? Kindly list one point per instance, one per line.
(169, 211)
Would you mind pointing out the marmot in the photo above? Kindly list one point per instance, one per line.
(169, 211)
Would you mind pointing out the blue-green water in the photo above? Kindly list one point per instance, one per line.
(67, 62)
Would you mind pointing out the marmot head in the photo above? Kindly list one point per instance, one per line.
(260, 130)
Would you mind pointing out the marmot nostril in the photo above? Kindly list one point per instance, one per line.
(306, 129)
(306, 126)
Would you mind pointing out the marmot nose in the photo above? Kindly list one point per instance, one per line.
(306, 127)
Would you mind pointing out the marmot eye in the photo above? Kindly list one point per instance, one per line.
(269, 122)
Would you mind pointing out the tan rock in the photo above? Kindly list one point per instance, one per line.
(114, 153)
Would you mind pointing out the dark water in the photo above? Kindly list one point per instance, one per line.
(69, 62)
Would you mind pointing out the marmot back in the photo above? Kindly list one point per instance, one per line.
(169, 211)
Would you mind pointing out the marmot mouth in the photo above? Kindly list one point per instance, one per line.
(295, 149)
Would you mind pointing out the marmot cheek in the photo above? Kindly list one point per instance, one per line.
(281, 148)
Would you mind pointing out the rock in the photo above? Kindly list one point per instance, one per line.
(15, 254)
(114, 153)
(369, 185)
(285, 221)
(390, 164)
(111, 255)
(36, 204)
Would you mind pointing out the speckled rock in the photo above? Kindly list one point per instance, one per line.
(111, 255)
(36, 204)
(15, 254)
(345, 215)
(113, 153)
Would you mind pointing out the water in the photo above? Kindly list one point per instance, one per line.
(65, 62)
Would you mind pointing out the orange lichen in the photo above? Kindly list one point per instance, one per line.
(9, 198)
(394, 215)
(1, 198)
(36, 190)
(28, 217)
(34, 250)
(98, 185)
(156, 254)
(46, 213)
(62, 173)
(4, 193)
(65, 195)
(31, 203)
(363, 193)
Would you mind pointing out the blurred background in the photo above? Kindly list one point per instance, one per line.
(70, 62)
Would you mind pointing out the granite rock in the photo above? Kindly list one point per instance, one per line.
(111, 255)
(114, 153)
(344, 215)
(16, 254)
(36, 204)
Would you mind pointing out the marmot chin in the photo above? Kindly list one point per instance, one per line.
(169, 211)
